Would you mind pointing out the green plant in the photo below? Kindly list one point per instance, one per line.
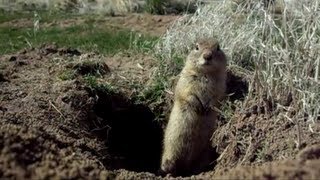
(156, 6)
(93, 83)
(67, 75)
(86, 37)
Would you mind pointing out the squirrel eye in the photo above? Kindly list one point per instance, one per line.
(218, 48)
(197, 47)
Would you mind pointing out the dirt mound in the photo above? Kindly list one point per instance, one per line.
(58, 121)
(275, 170)
(49, 125)
(41, 137)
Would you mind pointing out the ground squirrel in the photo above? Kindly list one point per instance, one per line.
(192, 121)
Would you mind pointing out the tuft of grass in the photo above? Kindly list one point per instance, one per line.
(154, 92)
(153, 95)
(91, 81)
(156, 6)
(281, 51)
(67, 75)
(95, 86)
(228, 109)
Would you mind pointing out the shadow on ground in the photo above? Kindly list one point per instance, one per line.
(132, 135)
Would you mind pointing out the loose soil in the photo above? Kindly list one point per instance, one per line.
(154, 25)
(54, 126)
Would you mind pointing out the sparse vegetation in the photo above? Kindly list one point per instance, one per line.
(94, 84)
(105, 7)
(67, 75)
(88, 37)
(156, 6)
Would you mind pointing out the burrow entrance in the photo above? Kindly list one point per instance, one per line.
(132, 136)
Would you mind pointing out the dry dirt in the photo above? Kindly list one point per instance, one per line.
(145, 23)
(54, 128)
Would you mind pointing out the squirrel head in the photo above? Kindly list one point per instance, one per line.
(207, 56)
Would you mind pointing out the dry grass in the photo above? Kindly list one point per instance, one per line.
(280, 53)
(105, 7)
(82, 6)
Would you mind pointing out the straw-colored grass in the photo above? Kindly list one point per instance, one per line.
(105, 7)
(279, 53)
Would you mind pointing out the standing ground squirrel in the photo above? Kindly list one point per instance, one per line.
(192, 121)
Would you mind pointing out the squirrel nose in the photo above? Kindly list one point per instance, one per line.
(207, 55)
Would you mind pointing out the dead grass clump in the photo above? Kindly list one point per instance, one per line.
(279, 52)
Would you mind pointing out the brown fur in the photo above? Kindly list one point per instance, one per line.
(192, 121)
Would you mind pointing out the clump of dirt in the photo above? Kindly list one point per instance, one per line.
(255, 136)
(89, 66)
(276, 170)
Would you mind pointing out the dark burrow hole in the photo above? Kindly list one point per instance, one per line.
(132, 135)
(237, 87)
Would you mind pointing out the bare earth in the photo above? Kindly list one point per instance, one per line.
(54, 128)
